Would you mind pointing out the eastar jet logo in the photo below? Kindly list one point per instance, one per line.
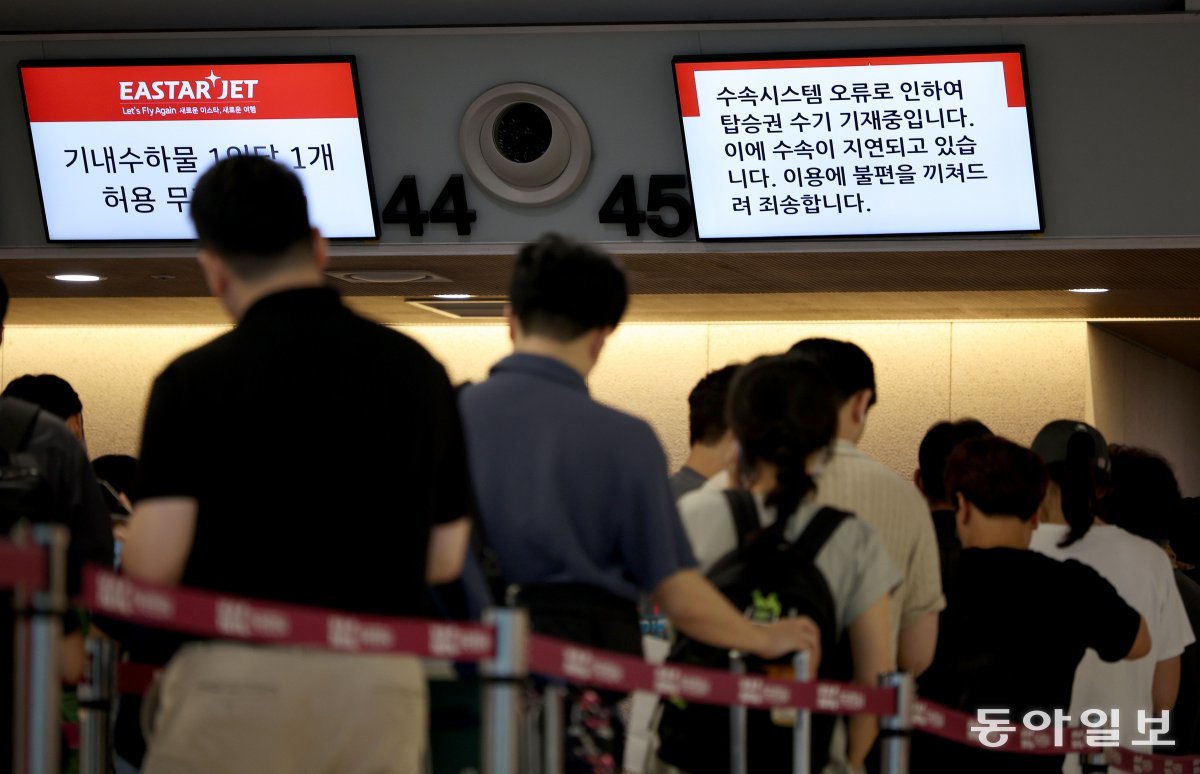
(210, 87)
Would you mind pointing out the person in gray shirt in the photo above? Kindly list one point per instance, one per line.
(712, 444)
(573, 495)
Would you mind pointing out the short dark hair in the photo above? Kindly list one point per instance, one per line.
(3, 300)
(562, 289)
(53, 393)
(935, 449)
(782, 410)
(1145, 498)
(252, 212)
(120, 471)
(706, 406)
(997, 476)
(847, 364)
(1185, 531)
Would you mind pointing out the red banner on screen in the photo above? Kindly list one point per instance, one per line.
(190, 92)
(689, 105)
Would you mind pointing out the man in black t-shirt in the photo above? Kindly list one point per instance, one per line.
(1016, 623)
(309, 456)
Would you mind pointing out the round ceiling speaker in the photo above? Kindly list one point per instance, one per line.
(525, 144)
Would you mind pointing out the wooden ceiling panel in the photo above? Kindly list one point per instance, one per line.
(676, 307)
(692, 282)
(702, 269)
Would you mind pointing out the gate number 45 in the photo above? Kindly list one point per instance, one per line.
(624, 194)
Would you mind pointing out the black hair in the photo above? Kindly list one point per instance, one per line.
(3, 300)
(52, 393)
(562, 289)
(997, 476)
(252, 212)
(1084, 486)
(706, 406)
(935, 449)
(120, 471)
(782, 410)
(1185, 531)
(847, 364)
(1145, 498)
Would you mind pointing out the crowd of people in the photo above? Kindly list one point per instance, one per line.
(311, 456)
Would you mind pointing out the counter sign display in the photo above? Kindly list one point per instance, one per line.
(859, 144)
(119, 146)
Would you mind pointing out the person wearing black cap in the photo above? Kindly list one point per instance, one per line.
(1076, 512)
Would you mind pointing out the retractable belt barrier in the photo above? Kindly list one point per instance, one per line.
(604, 669)
(211, 614)
(22, 566)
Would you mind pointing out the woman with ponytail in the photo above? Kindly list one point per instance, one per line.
(1076, 525)
(783, 413)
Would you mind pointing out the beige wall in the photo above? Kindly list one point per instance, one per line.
(1144, 399)
(1013, 375)
(111, 367)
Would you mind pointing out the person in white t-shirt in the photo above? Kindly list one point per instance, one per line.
(1076, 455)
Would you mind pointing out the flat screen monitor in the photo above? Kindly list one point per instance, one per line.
(859, 143)
(119, 146)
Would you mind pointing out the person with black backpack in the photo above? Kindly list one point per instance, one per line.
(774, 553)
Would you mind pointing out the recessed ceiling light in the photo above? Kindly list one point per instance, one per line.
(453, 296)
(76, 277)
(1089, 290)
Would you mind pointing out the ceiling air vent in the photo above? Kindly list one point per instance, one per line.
(464, 309)
(386, 276)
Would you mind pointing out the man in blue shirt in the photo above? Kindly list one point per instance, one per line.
(573, 495)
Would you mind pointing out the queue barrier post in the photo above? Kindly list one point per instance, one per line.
(895, 731)
(503, 684)
(738, 714)
(44, 633)
(802, 731)
(96, 705)
(1093, 763)
(553, 728)
(20, 666)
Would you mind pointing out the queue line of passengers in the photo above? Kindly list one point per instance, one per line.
(263, 474)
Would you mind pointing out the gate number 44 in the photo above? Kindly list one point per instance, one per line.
(450, 206)
(624, 195)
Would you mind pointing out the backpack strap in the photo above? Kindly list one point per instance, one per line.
(16, 422)
(814, 537)
(745, 514)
